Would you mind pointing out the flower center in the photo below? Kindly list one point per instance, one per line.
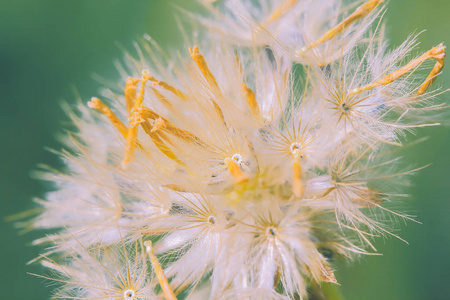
(237, 158)
(295, 148)
(211, 220)
(272, 231)
(128, 295)
(345, 107)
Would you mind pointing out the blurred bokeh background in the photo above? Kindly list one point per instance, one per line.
(47, 47)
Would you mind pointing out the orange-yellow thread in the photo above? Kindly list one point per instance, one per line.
(236, 172)
(280, 11)
(162, 99)
(97, 104)
(135, 120)
(130, 92)
(297, 184)
(359, 13)
(167, 290)
(158, 124)
(219, 111)
(165, 149)
(434, 72)
(251, 99)
(201, 63)
(185, 135)
(437, 53)
(166, 86)
(157, 138)
(238, 62)
(175, 187)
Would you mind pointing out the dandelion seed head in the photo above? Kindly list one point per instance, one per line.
(242, 166)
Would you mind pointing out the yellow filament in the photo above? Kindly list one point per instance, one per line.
(236, 172)
(238, 62)
(158, 124)
(251, 99)
(219, 111)
(140, 96)
(359, 13)
(135, 120)
(175, 187)
(437, 53)
(130, 146)
(166, 86)
(280, 11)
(163, 99)
(147, 113)
(165, 149)
(434, 72)
(167, 290)
(297, 183)
(248, 93)
(201, 63)
(157, 138)
(130, 92)
(97, 104)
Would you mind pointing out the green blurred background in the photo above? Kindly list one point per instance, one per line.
(49, 46)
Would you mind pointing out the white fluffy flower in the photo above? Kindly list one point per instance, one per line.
(243, 164)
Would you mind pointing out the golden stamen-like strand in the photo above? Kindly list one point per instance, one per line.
(147, 113)
(236, 172)
(238, 61)
(97, 104)
(140, 95)
(167, 290)
(130, 145)
(130, 92)
(135, 120)
(158, 124)
(251, 99)
(219, 111)
(199, 59)
(157, 138)
(297, 183)
(280, 11)
(248, 92)
(166, 86)
(162, 146)
(359, 13)
(434, 72)
(201, 63)
(175, 188)
(162, 99)
(437, 53)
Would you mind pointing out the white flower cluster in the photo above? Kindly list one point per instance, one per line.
(238, 170)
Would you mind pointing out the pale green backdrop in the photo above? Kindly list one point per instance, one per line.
(48, 46)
